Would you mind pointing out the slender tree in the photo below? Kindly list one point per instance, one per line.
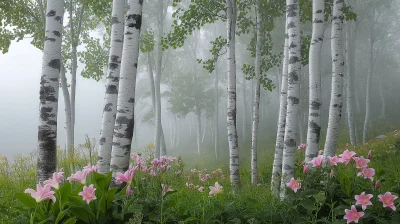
(314, 108)
(49, 84)
(111, 95)
(124, 122)
(293, 26)
(256, 103)
(277, 167)
(231, 107)
(336, 103)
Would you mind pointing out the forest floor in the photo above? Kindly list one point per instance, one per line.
(319, 200)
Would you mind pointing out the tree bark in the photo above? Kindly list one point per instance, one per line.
(256, 103)
(314, 106)
(350, 42)
(336, 102)
(277, 167)
(204, 130)
(293, 100)
(231, 107)
(49, 84)
(111, 94)
(245, 109)
(216, 113)
(67, 105)
(369, 77)
(124, 122)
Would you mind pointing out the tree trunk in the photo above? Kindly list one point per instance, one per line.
(231, 107)
(67, 105)
(382, 96)
(277, 167)
(245, 108)
(293, 100)
(49, 84)
(198, 127)
(314, 106)
(216, 113)
(369, 77)
(350, 41)
(111, 95)
(204, 130)
(336, 103)
(124, 122)
(158, 139)
(256, 103)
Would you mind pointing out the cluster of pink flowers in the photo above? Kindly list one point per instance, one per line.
(45, 192)
(214, 190)
(139, 161)
(302, 146)
(160, 165)
(352, 215)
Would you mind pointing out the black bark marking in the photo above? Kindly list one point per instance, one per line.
(55, 64)
(102, 141)
(112, 66)
(59, 18)
(287, 167)
(51, 13)
(54, 79)
(112, 89)
(315, 105)
(46, 93)
(114, 20)
(141, 2)
(107, 107)
(50, 39)
(99, 158)
(291, 25)
(128, 33)
(335, 105)
(315, 129)
(292, 10)
(131, 100)
(135, 65)
(115, 79)
(314, 114)
(56, 33)
(45, 113)
(318, 21)
(118, 40)
(137, 21)
(293, 60)
(319, 11)
(294, 100)
(52, 122)
(339, 95)
(47, 145)
(122, 111)
(290, 142)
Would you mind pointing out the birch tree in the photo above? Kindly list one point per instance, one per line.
(336, 102)
(124, 122)
(51, 64)
(111, 95)
(315, 102)
(294, 66)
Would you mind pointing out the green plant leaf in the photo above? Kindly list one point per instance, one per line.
(60, 216)
(26, 200)
(82, 213)
(70, 221)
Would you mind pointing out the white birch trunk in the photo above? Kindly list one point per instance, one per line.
(382, 96)
(245, 108)
(369, 77)
(350, 41)
(158, 135)
(256, 103)
(277, 167)
(204, 130)
(293, 100)
(231, 107)
(67, 105)
(49, 84)
(216, 113)
(124, 122)
(336, 102)
(198, 128)
(314, 106)
(111, 94)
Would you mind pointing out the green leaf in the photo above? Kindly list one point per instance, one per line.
(26, 200)
(308, 204)
(60, 216)
(190, 219)
(82, 213)
(70, 221)
(111, 196)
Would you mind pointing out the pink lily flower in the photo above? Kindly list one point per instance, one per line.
(333, 161)
(79, 176)
(55, 181)
(369, 154)
(361, 162)
(128, 190)
(294, 185)
(214, 190)
(367, 173)
(88, 193)
(124, 177)
(387, 200)
(317, 161)
(363, 200)
(200, 189)
(42, 193)
(90, 169)
(346, 156)
(352, 215)
(302, 146)
(306, 168)
(165, 189)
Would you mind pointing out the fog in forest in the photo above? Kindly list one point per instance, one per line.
(184, 82)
